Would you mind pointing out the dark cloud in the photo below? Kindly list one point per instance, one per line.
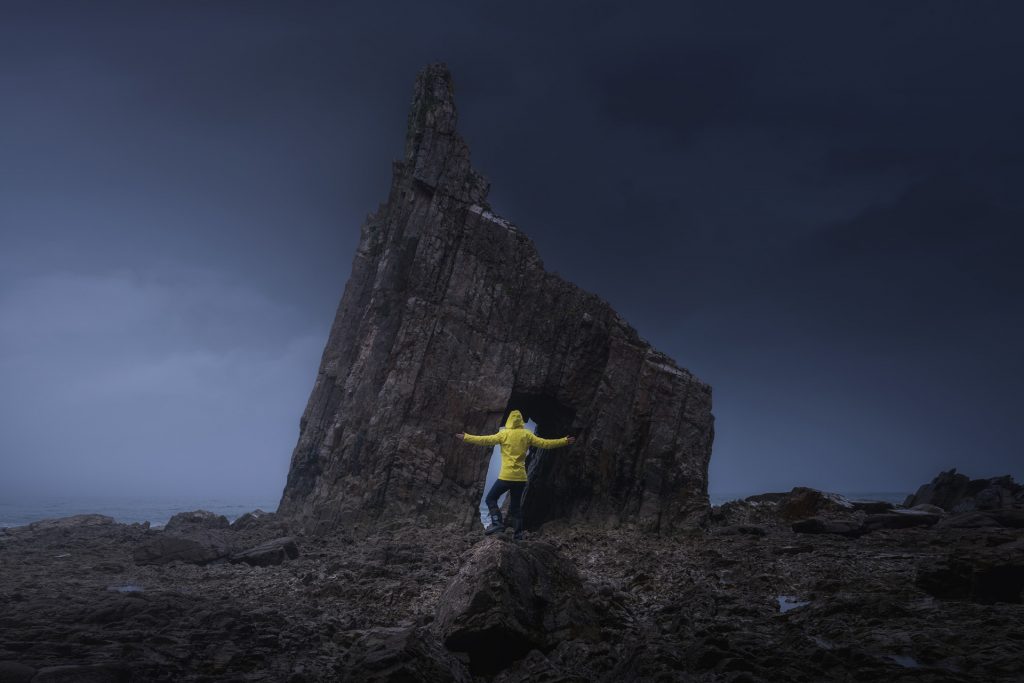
(814, 206)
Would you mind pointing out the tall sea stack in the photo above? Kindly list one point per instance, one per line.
(448, 321)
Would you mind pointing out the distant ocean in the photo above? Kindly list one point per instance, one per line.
(156, 511)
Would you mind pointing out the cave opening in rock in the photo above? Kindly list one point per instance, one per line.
(548, 494)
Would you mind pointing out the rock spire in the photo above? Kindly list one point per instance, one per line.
(448, 322)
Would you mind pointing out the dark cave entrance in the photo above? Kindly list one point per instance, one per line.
(546, 496)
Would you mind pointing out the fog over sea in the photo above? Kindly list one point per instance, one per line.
(157, 511)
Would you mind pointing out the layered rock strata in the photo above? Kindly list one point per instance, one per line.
(448, 321)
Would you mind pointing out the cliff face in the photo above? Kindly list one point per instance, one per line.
(448, 321)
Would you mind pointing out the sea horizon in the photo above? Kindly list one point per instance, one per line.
(157, 510)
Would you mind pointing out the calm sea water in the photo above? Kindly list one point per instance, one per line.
(156, 511)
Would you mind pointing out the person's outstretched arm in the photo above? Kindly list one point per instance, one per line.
(488, 440)
(551, 443)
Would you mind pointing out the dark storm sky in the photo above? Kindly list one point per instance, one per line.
(815, 207)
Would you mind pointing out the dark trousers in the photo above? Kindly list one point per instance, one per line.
(515, 495)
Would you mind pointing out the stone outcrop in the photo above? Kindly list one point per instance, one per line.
(510, 598)
(783, 508)
(955, 492)
(196, 519)
(254, 519)
(448, 321)
(69, 523)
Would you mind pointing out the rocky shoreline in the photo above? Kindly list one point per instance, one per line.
(759, 594)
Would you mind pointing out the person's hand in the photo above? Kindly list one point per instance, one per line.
(572, 440)
(460, 436)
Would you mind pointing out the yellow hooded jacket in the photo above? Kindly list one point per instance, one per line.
(515, 440)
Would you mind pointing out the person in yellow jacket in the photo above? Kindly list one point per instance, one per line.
(515, 440)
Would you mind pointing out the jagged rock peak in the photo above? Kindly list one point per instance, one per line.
(435, 154)
(448, 322)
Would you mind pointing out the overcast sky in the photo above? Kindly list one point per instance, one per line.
(815, 207)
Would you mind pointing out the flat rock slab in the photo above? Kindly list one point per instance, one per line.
(1012, 518)
(903, 519)
(272, 552)
(72, 522)
(510, 598)
(168, 548)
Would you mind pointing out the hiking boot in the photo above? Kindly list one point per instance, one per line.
(496, 524)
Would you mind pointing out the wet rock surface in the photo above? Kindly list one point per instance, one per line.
(923, 603)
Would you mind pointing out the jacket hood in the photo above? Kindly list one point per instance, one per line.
(515, 420)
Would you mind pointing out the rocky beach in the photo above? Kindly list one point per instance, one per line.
(374, 567)
(798, 586)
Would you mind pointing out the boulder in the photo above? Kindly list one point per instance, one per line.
(167, 548)
(993, 497)
(783, 508)
(510, 598)
(253, 519)
(804, 502)
(955, 492)
(400, 655)
(272, 552)
(196, 519)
